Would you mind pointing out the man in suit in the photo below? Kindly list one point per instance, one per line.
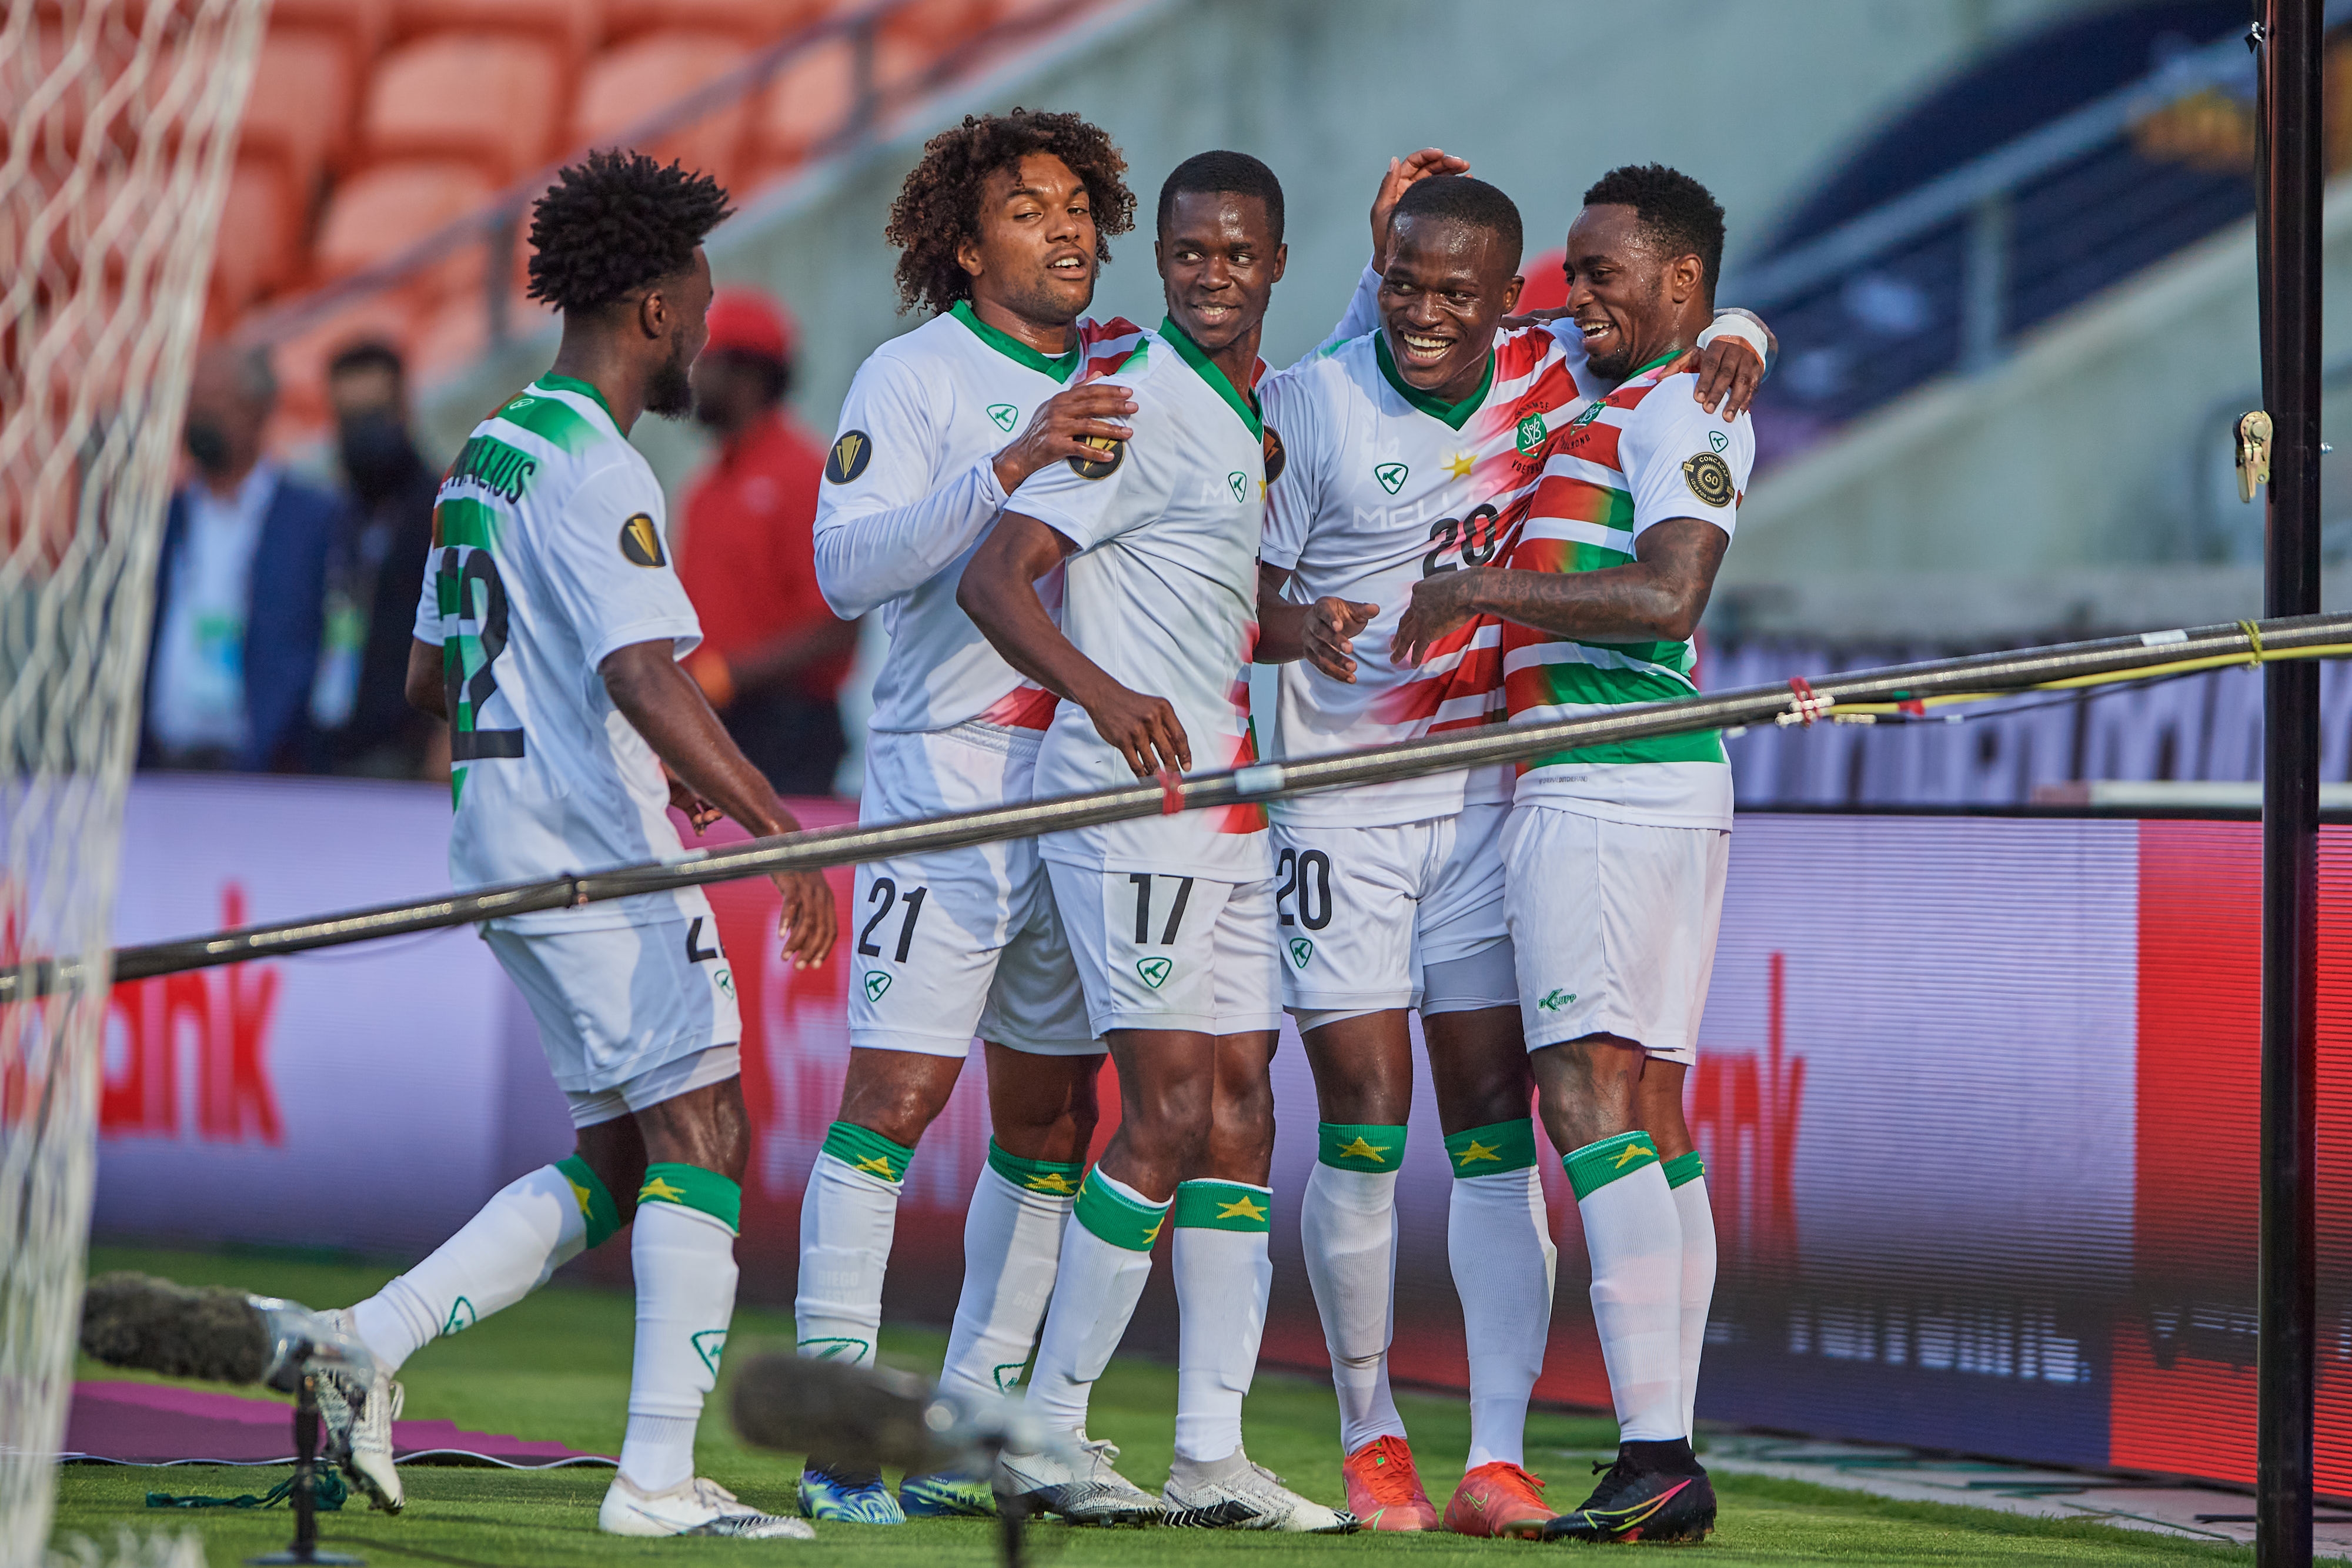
(240, 589)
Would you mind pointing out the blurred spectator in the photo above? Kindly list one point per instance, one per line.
(366, 726)
(241, 588)
(774, 656)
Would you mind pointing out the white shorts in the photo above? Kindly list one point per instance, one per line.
(943, 946)
(1172, 951)
(591, 1107)
(620, 1002)
(1614, 925)
(1363, 910)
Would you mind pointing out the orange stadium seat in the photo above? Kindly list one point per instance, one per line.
(938, 23)
(361, 24)
(299, 111)
(574, 26)
(487, 99)
(259, 245)
(379, 213)
(808, 100)
(754, 21)
(632, 81)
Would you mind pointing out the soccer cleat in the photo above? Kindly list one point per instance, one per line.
(947, 1496)
(1087, 1492)
(357, 1420)
(696, 1507)
(1642, 1501)
(1232, 1493)
(1498, 1498)
(848, 1497)
(1385, 1491)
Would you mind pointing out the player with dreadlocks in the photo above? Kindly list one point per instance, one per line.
(549, 637)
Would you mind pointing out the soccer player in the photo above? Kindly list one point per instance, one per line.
(1171, 918)
(1410, 453)
(1614, 855)
(1002, 228)
(549, 635)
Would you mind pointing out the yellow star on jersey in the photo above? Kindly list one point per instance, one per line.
(1360, 1150)
(659, 1188)
(1630, 1154)
(1478, 1151)
(1460, 464)
(1243, 1207)
(875, 1165)
(1053, 1182)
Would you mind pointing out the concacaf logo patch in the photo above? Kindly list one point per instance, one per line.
(1709, 477)
(849, 457)
(1114, 453)
(1270, 443)
(641, 542)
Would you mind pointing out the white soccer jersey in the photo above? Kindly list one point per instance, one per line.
(547, 556)
(909, 488)
(1163, 595)
(1380, 486)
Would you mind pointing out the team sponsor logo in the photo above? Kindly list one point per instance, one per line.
(1271, 445)
(1391, 476)
(876, 982)
(849, 457)
(1709, 478)
(1717, 440)
(641, 545)
(1301, 950)
(1005, 414)
(1238, 483)
(725, 980)
(1155, 971)
(1114, 453)
(1531, 432)
(1557, 1000)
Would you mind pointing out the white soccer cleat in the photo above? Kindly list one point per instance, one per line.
(1234, 1493)
(696, 1507)
(1087, 1491)
(357, 1421)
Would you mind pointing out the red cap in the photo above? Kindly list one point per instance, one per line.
(749, 320)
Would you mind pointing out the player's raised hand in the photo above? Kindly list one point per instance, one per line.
(1060, 428)
(1441, 604)
(1145, 730)
(1403, 172)
(1729, 372)
(1329, 630)
(808, 922)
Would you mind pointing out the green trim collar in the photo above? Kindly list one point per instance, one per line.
(1453, 415)
(1241, 403)
(554, 383)
(1061, 367)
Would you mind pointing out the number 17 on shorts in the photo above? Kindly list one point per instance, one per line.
(1162, 950)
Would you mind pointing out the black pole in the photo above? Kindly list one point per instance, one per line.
(2288, 222)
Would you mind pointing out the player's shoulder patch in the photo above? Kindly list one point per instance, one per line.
(1271, 445)
(1114, 453)
(852, 451)
(1709, 478)
(641, 541)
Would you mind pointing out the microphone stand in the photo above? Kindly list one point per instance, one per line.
(305, 1547)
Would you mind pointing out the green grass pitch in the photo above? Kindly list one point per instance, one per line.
(557, 1366)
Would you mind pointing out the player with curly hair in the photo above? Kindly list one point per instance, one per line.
(549, 567)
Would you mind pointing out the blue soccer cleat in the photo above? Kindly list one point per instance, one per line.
(947, 1496)
(848, 1497)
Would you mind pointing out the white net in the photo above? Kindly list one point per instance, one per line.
(118, 118)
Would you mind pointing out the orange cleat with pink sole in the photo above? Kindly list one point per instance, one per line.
(1383, 1488)
(1498, 1498)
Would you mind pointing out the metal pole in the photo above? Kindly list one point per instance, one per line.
(2289, 61)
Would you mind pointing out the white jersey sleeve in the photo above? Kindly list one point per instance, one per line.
(608, 567)
(1681, 460)
(428, 604)
(1089, 511)
(886, 524)
(1293, 495)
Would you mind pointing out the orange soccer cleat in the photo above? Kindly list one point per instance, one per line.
(1498, 1498)
(1383, 1488)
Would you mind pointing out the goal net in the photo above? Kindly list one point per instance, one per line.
(118, 120)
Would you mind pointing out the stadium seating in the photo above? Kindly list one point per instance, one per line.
(361, 25)
(572, 27)
(750, 20)
(300, 112)
(637, 80)
(389, 208)
(261, 224)
(486, 98)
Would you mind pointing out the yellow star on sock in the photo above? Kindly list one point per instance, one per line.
(1360, 1150)
(1244, 1208)
(1053, 1182)
(1631, 1153)
(659, 1188)
(875, 1165)
(1478, 1151)
(579, 1195)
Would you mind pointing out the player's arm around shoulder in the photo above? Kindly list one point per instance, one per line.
(1322, 632)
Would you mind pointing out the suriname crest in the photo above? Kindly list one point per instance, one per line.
(1392, 476)
(1003, 415)
(876, 982)
(1301, 950)
(1709, 478)
(1531, 432)
(1155, 971)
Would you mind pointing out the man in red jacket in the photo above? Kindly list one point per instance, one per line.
(773, 657)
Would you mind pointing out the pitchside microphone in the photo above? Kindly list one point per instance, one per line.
(154, 1325)
(874, 1418)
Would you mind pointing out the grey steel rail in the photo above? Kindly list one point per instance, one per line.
(2122, 657)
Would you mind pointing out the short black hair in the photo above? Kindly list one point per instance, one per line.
(1467, 201)
(615, 222)
(1218, 174)
(938, 208)
(367, 354)
(1676, 210)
